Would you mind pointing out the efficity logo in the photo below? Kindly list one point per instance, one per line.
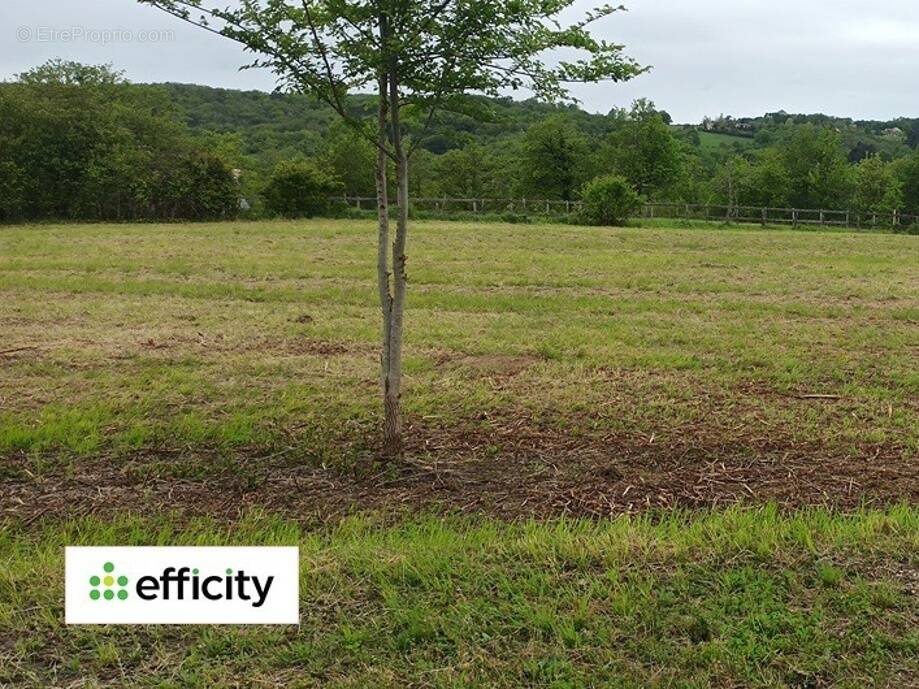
(182, 585)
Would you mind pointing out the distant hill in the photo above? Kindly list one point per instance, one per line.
(298, 123)
(270, 127)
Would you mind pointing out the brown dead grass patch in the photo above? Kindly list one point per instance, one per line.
(509, 467)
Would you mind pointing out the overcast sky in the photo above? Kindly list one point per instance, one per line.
(738, 57)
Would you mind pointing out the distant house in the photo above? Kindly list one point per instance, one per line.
(893, 133)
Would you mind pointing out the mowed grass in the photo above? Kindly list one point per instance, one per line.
(239, 337)
(743, 598)
(152, 346)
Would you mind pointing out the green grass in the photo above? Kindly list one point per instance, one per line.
(255, 335)
(158, 355)
(741, 598)
(718, 142)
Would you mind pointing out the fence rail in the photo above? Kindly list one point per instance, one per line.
(670, 211)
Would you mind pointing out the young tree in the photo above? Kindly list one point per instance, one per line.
(419, 57)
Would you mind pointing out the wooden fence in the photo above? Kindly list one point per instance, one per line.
(669, 211)
(779, 216)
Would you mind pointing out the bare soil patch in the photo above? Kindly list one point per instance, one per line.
(511, 467)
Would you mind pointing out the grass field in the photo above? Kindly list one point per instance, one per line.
(221, 381)
(717, 141)
(737, 599)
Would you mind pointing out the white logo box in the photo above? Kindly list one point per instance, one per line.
(181, 585)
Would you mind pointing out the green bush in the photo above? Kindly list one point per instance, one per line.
(197, 185)
(298, 188)
(608, 200)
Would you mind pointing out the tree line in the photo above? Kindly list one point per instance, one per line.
(80, 143)
(803, 166)
(496, 148)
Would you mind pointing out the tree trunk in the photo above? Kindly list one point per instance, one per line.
(392, 387)
(392, 422)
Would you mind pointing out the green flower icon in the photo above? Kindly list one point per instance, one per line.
(105, 586)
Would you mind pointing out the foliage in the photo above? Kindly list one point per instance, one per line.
(608, 200)
(77, 142)
(11, 188)
(876, 186)
(113, 158)
(57, 72)
(351, 159)
(554, 160)
(908, 174)
(298, 188)
(441, 50)
(197, 186)
(464, 173)
(818, 172)
(762, 181)
(644, 151)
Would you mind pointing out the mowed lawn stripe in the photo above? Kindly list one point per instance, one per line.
(252, 336)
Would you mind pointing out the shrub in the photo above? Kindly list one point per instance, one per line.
(200, 186)
(608, 200)
(298, 188)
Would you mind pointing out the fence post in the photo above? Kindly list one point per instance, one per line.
(794, 217)
(764, 217)
(896, 217)
(821, 217)
(847, 218)
(475, 206)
